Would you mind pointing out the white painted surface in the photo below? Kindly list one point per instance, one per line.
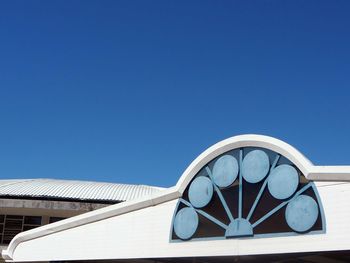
(311, 172)
(145, 234)
(141, 229)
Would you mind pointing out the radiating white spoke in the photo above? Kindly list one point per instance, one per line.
(240, 189)
(222, 199)
(205, 214)
(281, 205)
(257, 199)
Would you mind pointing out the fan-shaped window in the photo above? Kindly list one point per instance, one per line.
(248, 192)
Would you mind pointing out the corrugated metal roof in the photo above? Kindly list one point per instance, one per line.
(77, 190)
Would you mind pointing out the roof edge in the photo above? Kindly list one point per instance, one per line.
(311, 172)
(316, 173)
(90, 217)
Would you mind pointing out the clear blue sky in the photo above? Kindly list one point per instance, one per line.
(132, 91)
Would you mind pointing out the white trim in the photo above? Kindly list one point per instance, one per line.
(316, 173)
(90, 217)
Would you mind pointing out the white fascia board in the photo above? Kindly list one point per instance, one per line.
(311, 172)
(90, 217)
(329, 173)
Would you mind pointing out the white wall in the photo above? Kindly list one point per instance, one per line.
(145, 234)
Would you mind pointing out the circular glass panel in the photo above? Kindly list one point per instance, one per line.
(255, 166)
(302, 213)
(186, 223)
(200, 192)
(283, 181)
(225, 171)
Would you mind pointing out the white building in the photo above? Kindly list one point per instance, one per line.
(29, 203)
(248, 198)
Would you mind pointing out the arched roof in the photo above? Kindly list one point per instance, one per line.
(311, 172)
(74, 190)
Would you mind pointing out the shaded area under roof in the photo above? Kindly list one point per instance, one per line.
(75, 190)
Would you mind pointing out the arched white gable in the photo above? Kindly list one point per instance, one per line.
(249, 140)
(140, 228)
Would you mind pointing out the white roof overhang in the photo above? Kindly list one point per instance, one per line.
(141, 228)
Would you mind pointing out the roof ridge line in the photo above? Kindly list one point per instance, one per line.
(17, 182)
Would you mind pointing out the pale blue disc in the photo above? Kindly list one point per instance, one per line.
(225, 171)
(255, 166)
(186, 223)
(283, 181)
(302, 213)
(200, 192)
